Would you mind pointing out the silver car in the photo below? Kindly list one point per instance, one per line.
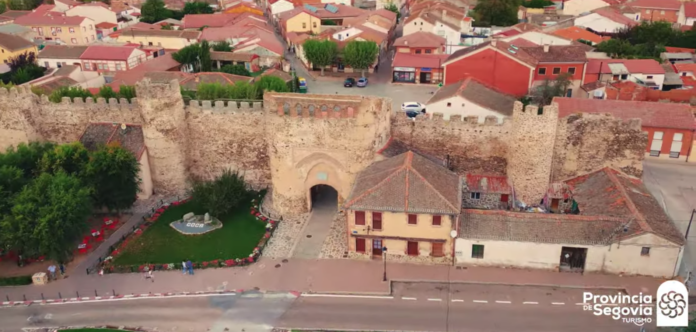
(413, 106)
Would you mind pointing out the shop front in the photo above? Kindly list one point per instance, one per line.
(404, 75)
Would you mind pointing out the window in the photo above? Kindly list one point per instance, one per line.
(92, 37)
(360, 245)
(84, 29)
(314, 24)
(656, 145)
(676, 147)
(118, 66)
(475, 195)
(437, 220)
(504, 198)
(412, 219)
(569, 93)
(91, 27)
(415, 23)
(73, 40)
(149, 44)
(571, 70)
(647, 11)
(360, 217)
(46, 64)
(449, 104)
(542, 71)
(649, 77)
(421, 23)
(556, 71)
(437, 250)
(59, 29)
(377, 221)
(60, 65)
(428, 51)
(304, 25)
(662, 12)
(645, 251)
(477, 251)
(418, 51)
(624, 76)
(87, 40)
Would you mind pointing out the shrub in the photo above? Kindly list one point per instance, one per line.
(16, 281)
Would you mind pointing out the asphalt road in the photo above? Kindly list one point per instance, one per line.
(413, 307)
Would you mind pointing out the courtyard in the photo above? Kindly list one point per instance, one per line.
(162, 244)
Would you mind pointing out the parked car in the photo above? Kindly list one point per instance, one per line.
(413, 106)
(349, 82)
(362, 82)
(412, 114)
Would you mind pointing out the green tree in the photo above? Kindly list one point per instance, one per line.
(616, 48)
(71, 92)
(107, 93)
(222, 46)
(206, 62)
(197, 7)
(127, 91)
(213, 91)
(17, 5)
(189, 56)
(222, 195)
(113, 174)
(543, 94)
(154, 11)
(392, 7)
(11, 183)
(360, 54)
(3, 7)
(167, 26)
(537, 3)
(271, 83)
(71, 159)
(235, 70)
(26, 157)
(496, 12)
(48, 217)
(320, 53)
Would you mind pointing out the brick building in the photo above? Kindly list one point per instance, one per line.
(670, 127)
(660, 10)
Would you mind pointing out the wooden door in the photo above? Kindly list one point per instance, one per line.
(412, 248)
(377, 247)
(360, 245)
(554, 204)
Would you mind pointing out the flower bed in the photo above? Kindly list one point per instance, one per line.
(108, 265)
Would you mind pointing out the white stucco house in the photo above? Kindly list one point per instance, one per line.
(645, 72)
(470, 98)
(281, 6)
(538, 38)
(613, 226)
(97, 11)
(607, 20)
(577, 7)
(450, 32)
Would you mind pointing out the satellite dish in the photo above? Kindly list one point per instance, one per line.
(123, 126)
(453, 234)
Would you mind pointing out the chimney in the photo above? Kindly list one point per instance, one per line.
(494, 42)
(546, 48)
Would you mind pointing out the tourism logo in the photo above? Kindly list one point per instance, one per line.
(636, 309)
(672, 304)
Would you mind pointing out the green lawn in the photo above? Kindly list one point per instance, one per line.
(161, 244)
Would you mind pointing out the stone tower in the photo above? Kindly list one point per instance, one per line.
(531, 151)
(165, 134)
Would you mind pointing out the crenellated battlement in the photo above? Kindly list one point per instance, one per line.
(222, 107)
(548, 112)
(471, 121)
(113, 103)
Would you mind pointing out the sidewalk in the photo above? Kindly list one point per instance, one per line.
(318, 276)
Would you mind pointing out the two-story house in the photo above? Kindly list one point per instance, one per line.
(299, 20)
(72, 30)
(11, 46)
(418, 58)
(515, 70)
(607, 20)
(57, 56)
(107, 59)
(406, 207)
(645, 72)
(471, 98)
(96, 11)
(440, 22)
(168, 39)
(660, 10)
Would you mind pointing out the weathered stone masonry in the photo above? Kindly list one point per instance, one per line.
(294, 142)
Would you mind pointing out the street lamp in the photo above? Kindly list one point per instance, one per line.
(384, 252)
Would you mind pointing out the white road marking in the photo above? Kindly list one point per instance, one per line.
(435, 300)
(557, 303)
(408, 298)
(456, 300)
(504, 302)
(479, 301)
(530, 302)
(138, 298)
(348, 296)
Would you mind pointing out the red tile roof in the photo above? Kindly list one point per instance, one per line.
(99, 52)
(419, 60)
(616, 16)
(105, 25)
(578, 33)
(659, 115)
(657, 4)
(421, 39)
(690, 9)
(488, 184)
(680, 67)
(634, 66)
(195, 21)
(159, 64)
(521, 42)
(38, 20)
(680, 50)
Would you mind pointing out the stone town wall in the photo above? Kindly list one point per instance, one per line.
(321, 139)
(471, 147)
(586, 142)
